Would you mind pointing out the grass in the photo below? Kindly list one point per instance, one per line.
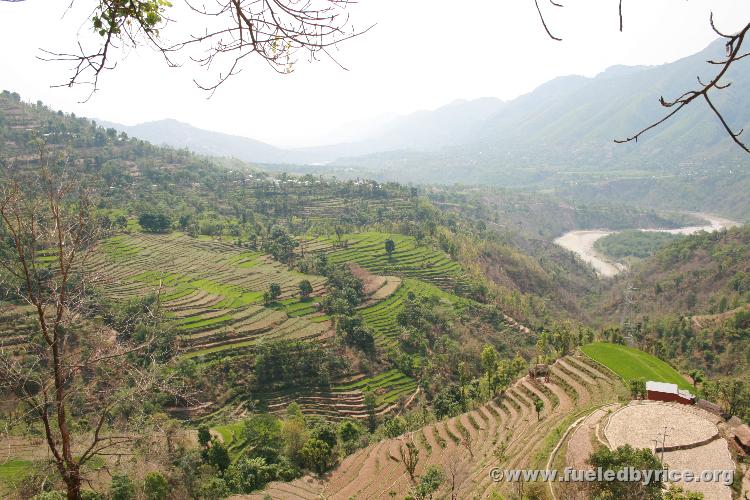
(14, 469)
(231, 434)
(633, 364)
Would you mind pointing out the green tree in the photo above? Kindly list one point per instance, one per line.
(677, 493)
(316, 455)
(121, 487)
(217, 455)
(638, 389)
(619, 459)
(697, 377)
(371, 401)
(274, 291)
(390, 247)
(155, 486)
(305, 289)
(155, 222)
(489, 363)
(213, 488)
(263, 434)
(538, 407)
(249, 474)
(429, 483)
(204, 436)
(409, 454)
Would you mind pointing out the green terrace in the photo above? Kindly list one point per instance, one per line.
(381, 317)
(408, 259)
(388, 386)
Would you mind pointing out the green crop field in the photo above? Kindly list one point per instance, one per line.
(14, 469)
(633, 364)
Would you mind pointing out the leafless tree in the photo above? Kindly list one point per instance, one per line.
(73, 371)
(277, 31)
(456, 472)
(735, 50)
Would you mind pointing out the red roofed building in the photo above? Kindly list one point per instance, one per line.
(662, 391)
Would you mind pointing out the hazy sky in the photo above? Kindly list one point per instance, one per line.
(420, 55)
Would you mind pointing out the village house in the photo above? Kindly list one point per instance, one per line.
(662, 391)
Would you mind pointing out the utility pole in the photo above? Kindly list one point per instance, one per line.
(663, 436)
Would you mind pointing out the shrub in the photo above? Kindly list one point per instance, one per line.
(155, 486)
(121, 488)
(316, 455)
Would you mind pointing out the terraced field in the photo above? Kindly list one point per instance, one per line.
(409, 259)
(346, 399)
(213, 290)
(16, 324)
(381, 317)
(501, 433)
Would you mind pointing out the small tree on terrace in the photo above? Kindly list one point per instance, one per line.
(538, 407)
(429, 483)
(489, 363)
(274, 291)
(305, 289)
(390, 247)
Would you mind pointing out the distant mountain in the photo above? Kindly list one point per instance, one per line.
(558, 137)
(564, 131)
(450, 125)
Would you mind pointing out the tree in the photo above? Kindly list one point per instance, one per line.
(409, 454)
(305, 289)
(316, 455)
(356, 333)
(390, 247)
(489, 363)
(638, 389)
(677, 493)
(155, 486)
(273, 31)
(204, 436)
(249, 474)
(274, 291)
(538, 407)
(155, 223)
(48, 211)
(429, 483)
(217, 455)
(121, 488)
(263, 431)
(619, 459)
(697, 377)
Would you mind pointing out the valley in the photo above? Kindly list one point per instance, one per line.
(441, 298)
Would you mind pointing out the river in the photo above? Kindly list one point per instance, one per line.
(582, 242)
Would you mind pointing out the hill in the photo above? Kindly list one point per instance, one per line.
(449, 125)
(687, 303)
(180, 135)
(695, 275)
